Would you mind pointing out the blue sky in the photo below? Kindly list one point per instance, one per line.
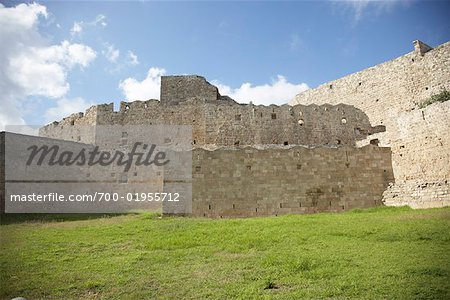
(62, 57)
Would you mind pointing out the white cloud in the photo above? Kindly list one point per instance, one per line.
(100, 19)
(78, 54)
(43, 70)
(145, 89)
(29, 66)
(78, 27)
(111, 53)
(17, 26)
(280, 91)
(132, 58)
(35, 76)
(23, 16)
(66, 54)
(65, 107)
(118, 61)
(10, 114)
(360, 8)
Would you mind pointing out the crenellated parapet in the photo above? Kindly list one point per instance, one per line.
(224, 122)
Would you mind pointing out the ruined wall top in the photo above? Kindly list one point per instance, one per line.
(397, 85)
(421, 47)
(176, 89)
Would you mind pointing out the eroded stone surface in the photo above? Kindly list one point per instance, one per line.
(389, 94)
(251, 182)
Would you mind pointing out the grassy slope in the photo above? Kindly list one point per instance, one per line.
(378, 253)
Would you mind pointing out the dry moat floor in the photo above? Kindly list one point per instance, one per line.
(390, 253)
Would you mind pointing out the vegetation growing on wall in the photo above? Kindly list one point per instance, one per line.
(441, 97)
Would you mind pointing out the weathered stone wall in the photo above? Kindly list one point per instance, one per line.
(227, 123)
(77, 127)
(175, 89)
(72, 179)
(386, 89)
(252, 182)
(421, 156)
(245, 181)
(389, 94)
(422, 146)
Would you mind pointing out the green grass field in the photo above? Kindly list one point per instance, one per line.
(382, 253)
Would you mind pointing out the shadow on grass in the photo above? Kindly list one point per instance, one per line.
(6, 219)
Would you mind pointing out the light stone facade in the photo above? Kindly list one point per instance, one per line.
(390, 94)
(243, 182)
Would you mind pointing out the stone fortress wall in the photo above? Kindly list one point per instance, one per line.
(287, 180)
(390, 94)
(220, 121)
(226, 182)
(253, 164)
(71, 179)
(263, 160)
(421, 158)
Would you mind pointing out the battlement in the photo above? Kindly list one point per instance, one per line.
(228, 123)
(421, 47)
(176, 89)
